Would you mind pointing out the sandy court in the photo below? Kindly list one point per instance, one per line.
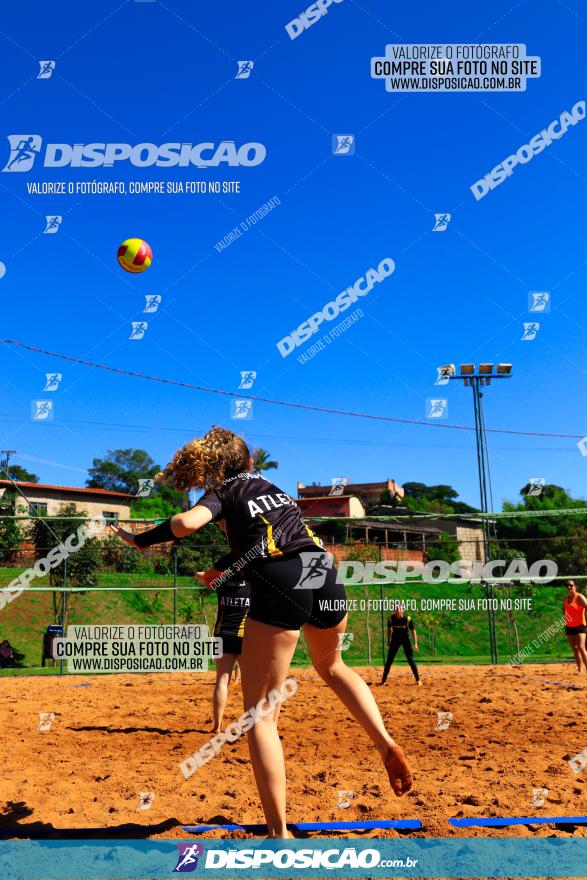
(117, 736)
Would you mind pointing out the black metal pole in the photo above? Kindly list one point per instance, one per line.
(482, 471)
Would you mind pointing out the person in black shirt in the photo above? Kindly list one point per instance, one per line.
(233, 594)
(267, 534)
(399, 626)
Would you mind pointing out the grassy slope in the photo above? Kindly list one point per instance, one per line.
(23, 621)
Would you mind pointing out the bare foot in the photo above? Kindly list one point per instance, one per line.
(398, 770)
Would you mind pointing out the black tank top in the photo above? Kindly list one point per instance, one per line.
(261, 520)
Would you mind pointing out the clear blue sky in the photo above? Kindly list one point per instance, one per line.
(158, 72)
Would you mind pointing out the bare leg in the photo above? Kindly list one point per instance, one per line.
(353, 691)
(224, 666)
(264, 663)
(574, 643)
(582, 649)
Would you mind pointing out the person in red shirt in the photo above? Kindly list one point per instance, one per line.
(575, 608)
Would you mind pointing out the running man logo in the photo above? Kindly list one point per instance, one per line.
(345, 640)
(52, 381)
(437, 408)
(578, 762)
(315, 567)
(138, 329)
(443, 375)
(539, 301)
(46, 719)
(344, 799)
(46, 69)
(444, 719)
(338, 484)
(152, 303)
(247, 378)
(146, 799)
(245, 68)
(530, 331)
(539, 796)
(24, 149)
(145, 487)
(187, 857)
(343, 145)
(53, 223)
(441, 222)
(535, 485)
(42, 410)
(241, 409)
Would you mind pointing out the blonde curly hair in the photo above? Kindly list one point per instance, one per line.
(204, 463)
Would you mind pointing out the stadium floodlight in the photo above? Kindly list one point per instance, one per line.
(478, 378)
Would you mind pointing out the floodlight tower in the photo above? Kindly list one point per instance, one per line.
(477, 378)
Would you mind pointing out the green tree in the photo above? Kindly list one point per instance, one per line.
(262, 462)
(120, 471)
(559, 536)
(155, 506)
(82, 565)
(16, 472)
(11, 533)
(445, 548)
(430, 625)
(199, 550)
(433, 499)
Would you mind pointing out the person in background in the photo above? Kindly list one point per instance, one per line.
(233, 594)
(398, 636)
(575, 609)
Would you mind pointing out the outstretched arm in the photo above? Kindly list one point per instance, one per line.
(178, 526)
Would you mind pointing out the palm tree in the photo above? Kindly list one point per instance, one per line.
(261, 461)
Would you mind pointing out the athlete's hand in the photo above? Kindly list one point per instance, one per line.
(207, 577)
(416, 648)
(127, 537)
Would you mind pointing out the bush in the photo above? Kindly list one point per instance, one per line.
(118, 556)
(163, 564)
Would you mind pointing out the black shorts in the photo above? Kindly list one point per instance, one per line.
(289, 592)
(575, 630)
(231, 644)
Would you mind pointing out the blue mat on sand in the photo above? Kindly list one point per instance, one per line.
(519, 820)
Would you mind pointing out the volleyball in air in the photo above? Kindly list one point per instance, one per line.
(135, 255)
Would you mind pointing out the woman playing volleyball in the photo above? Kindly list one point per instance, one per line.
(575, 606)
(233, 594)
(264, 526)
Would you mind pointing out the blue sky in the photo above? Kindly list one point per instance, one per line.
(158, 72)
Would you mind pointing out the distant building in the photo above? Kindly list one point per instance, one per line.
(47, 500)
(343, 523)
(367, 493)
(331, 505)
(466, 528)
